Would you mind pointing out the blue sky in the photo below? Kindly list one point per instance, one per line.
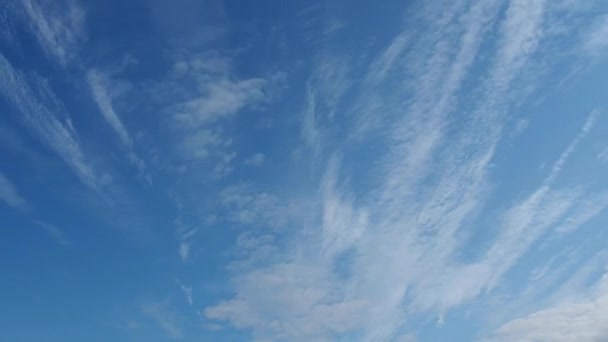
(303, 171)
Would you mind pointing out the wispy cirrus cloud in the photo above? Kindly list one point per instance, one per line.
(427, 187)
(46, 116)
(603, 155)
(596, 42)
(9, 193)
(255, 160)
(579, 317)
(526, 221)
(184, 235)
(187, 290)
(100, 93)
(99, 85)
(55, 233)
(365, 285)
(166, 319)
(246, 205)
(59, 29)
(219, 99)
(200, 95)
(58, 26)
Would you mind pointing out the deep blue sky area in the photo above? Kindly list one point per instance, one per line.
(208, 170)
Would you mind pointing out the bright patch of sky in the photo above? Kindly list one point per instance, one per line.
(303, 171)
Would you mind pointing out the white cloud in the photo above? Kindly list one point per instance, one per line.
(200, 94)
(198, 144)
(332, 80)
(397, 250)
(9, 193)
(99, 89)
(47, 118)
(603, 156)
(245, 205)
(316, 310)
(387, 59)
(187, 290)
(185, 234)
(164, 317)
(223, 166)
(580, 319)
(342, 224)
(589, 207)
(58, 26)
(527, 220)
(589, 123)
(255, 160)
(184, 250)
(217, 95)
(220, 99)
(311, 132)
(100, 94)
(596, 41)
(55, 233)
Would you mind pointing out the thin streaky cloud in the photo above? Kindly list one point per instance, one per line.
(527, 220)
(9, 193)
(582, 319)
(419, 225)
(184, 250)
(55, 233)
(164, 317)
(187, 290)
(603, 155)
(42, 119)
(103, 100)
(328, 178)
(99, 84)
(595, 42)
(558, 165)
(58, 28)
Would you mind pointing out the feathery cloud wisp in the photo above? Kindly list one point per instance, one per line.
(428, 186)
(55, 233)
(255, 160)
(58, 26)
(164, 317)
(102, 98)
(47, 118)
(99, 88)
(596, 42)
(581, 319)
(9, 193)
